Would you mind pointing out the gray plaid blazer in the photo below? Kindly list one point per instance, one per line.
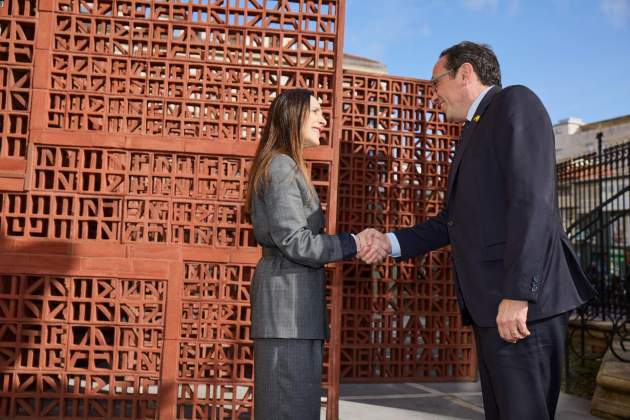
(288, 294)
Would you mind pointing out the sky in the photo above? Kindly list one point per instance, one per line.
(575, 54)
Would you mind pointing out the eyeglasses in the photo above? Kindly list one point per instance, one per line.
(436, 80)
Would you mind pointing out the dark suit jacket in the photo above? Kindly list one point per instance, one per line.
(288, 293)
(501, 215)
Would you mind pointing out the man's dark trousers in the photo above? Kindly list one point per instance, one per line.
(521, 381)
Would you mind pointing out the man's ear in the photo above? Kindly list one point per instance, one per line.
(467, 72)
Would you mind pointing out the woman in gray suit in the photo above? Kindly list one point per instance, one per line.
(289, 321)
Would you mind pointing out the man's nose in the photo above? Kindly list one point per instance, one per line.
(434, 97)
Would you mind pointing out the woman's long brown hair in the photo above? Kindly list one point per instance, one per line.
(282, 134)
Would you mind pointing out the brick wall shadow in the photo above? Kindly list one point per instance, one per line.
(74, 344)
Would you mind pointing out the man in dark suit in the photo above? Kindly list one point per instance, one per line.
(517, 277)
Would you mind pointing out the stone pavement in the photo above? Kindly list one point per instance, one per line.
(438, 401)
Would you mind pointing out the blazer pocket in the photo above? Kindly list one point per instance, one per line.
(493, 252)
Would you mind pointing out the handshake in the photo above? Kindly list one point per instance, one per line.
(372, 246)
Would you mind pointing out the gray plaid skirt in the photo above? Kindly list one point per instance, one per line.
(287, 378)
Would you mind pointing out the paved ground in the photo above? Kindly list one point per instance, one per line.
(438, 401)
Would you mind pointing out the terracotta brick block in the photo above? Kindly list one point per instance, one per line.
(14, 263)
(12, 183)
(150, 268)
(107, 266)
(46, 5)
(207, 254)
(12, 165)
(41, 74)
(99, 249)
(154, 251)
(42, 247)
(44, 36)
(52, 264)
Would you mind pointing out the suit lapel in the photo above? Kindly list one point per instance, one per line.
(461, 146)
(466, 139)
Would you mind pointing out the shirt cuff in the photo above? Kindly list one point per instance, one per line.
(356, 241)
(395, 245)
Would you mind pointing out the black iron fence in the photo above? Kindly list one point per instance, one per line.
(594, 199)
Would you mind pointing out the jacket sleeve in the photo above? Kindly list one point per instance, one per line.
(524, 144)
(424, 237)
(284, 205)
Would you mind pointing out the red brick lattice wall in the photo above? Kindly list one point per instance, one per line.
(127, 131)
(18, 25)
(128, 128)
(400, 321)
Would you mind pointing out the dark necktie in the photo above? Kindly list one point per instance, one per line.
(458, 151)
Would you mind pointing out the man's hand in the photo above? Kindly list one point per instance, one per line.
(375, 246)
(511, 320)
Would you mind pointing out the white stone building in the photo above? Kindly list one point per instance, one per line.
(575, 138)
